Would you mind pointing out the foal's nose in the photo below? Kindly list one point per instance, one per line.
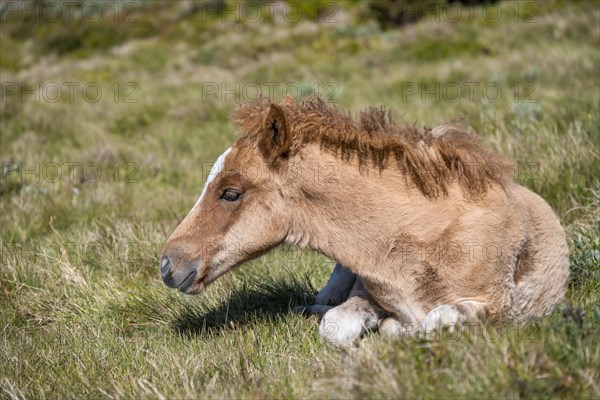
(165, 266)
(176, 273)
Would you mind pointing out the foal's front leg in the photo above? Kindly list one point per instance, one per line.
(343, 325)
(338, 287)
(334, 293)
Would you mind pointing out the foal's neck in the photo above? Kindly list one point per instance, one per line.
(355, 216)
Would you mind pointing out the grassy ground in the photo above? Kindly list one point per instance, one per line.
(83, 312)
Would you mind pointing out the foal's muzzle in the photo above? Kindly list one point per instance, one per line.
(182, 277)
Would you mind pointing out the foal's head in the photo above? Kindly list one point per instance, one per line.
(240, 214)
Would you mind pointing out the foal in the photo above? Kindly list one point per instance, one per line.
(429, 225)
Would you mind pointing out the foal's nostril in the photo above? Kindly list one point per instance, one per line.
(177, 273)
(165, 266)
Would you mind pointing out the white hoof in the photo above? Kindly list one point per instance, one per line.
(343, 326)
(340, 328)
(391, 328)
(444, 316)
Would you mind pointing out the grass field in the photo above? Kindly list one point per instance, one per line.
(96, 177)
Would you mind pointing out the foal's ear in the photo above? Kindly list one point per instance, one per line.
(275, 141)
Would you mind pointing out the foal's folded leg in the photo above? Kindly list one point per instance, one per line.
(452, 316)
(449, 316)
(334, 293)
(392, 328)
(343, 325)
(338, 287)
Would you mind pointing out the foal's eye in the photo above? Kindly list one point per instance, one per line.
(230, 195)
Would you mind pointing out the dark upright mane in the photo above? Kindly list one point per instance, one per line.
(432, 158)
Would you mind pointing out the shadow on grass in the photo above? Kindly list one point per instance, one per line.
(255, 301)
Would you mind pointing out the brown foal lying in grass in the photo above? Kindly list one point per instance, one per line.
(429, 225)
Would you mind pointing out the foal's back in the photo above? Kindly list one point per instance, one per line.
(542, 271)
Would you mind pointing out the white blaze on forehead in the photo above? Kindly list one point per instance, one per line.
(214, 171)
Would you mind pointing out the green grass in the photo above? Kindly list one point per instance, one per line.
(83, 312)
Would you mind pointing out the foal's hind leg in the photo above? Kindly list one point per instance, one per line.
(343, 325)
(392, 328)
(452, 315)
(334, 293)
(444, 316)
